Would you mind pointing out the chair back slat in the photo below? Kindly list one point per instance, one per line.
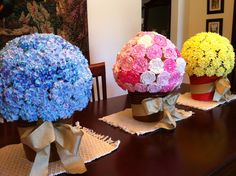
(98, 91)
(104, 88)
(93, 96)
(98, 70)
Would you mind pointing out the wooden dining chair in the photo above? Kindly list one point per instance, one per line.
(98, 70)
(1, 120)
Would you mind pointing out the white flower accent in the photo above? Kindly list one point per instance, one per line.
(147, 77)
(145, 40)
(180, 63)
(156, 65)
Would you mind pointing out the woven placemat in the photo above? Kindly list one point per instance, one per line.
(126, 122)
(93, 146)
(186, 100)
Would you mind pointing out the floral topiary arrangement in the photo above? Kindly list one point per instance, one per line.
(151, 68)
(208, 54)
(210, 58)
(42, 76)
(149, 63)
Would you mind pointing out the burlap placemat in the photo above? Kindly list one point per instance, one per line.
(125, 121)
(14, 163)
(186, 100)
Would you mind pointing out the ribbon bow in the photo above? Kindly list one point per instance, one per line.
(222, 90)
(67, 140)
(155, 105)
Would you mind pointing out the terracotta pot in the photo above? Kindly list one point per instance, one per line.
(202, 88)
(30, 154)
(137, 97)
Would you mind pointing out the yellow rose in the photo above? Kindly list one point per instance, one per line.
(210, 71)
(220, 71)
(216, 63)
(208, 54)
(198, 71)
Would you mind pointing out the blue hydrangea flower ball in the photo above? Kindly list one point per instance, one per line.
(42, 76)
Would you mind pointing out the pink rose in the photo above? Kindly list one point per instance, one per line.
(127, 63)
(140, 65)
(138, 51)
(115, 70)
(173, 82)
(126, 50)
(120, 83)
(177, 52)
(170, 53)
(139, 87)
(120, 77)
(132, 42)
(163, 78)
(154, 87)
(167, 88)
(129, 87)
(154, 51)
(160, 40)
(119, 59)
(169, 65)
(169, 44)
(175, 78)
(128, 77)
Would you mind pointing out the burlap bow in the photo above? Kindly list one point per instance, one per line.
(222, 90)
(155, 105)
(67, 140)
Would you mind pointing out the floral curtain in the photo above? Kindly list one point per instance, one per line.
(67, 18)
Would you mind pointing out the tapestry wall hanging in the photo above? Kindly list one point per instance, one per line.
(67, 18)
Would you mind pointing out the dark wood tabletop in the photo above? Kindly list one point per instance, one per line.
(204, 144)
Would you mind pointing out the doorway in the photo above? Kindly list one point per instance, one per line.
(233, 41)
(157, 16)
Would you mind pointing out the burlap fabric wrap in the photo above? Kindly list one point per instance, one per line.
(155, 107)
(220, 88)
(47, 141)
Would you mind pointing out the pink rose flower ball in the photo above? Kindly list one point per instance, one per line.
(149, 62)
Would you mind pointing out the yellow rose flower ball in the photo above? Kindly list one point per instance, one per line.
(208, 54)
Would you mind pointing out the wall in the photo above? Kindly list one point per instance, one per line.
(111, 24)
(179, 19)
(179, 24)
(197, 13)
(189, 17)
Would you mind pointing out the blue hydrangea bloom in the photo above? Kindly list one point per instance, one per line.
(42, 76)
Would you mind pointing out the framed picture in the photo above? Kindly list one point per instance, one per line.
(214, 25)
(215, 6)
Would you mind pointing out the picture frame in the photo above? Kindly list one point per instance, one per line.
(215, 6)
(215, 25)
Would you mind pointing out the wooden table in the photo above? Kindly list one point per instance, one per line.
(204, 144)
